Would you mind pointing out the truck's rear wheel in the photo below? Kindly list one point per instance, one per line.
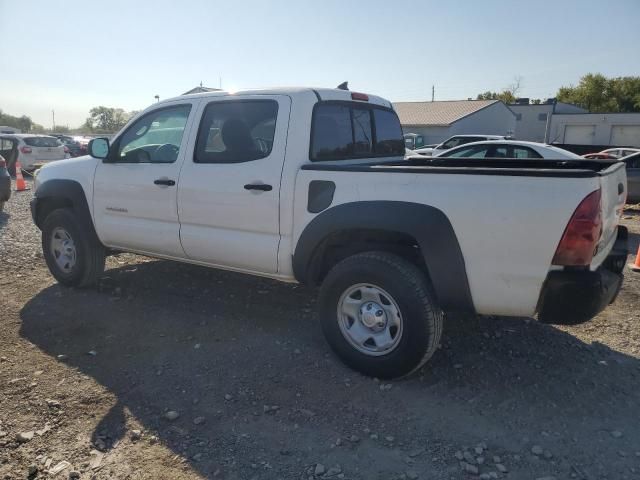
(378, 314)
(74, 257)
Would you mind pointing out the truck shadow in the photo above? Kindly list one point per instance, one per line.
(228, 348)
(4, 219)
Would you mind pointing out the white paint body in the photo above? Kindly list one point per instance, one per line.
(508, 227)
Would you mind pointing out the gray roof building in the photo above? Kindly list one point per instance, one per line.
(437, 121)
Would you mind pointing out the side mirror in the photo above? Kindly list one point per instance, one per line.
(99, 148)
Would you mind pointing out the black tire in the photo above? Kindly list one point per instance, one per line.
(1, 206)
(90, 254)
(422, 319)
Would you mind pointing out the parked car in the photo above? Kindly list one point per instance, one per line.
(74, 146)
(632, 163)
(456, 141)
(311, 185)
(600, 156)
(31, 150)
(621, 152)
(5, 183)
(508, 149)
(413, 141)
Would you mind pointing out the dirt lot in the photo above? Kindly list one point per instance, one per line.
(169, 371)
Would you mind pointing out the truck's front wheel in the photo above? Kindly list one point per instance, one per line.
(74, 257)
(378, 314)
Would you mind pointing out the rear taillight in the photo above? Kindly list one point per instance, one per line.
(3, 163)
(580, 238)
(66, 149)
(25, 149)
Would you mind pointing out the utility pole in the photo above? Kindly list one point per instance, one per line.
(53, 116)
(220, 78)
(433, 92)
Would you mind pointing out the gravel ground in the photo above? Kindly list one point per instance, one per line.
(170, 371)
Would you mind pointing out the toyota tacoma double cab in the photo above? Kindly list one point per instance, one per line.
(311, 185)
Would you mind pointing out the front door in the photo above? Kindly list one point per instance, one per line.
(229, 192)
(135, 189)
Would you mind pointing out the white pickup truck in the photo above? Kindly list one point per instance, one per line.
(310, 185)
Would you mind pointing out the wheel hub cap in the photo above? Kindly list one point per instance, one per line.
(372, 315)
(63, 249)
(369, 319)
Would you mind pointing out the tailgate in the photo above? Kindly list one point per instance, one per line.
(48, 153)
(613, 182)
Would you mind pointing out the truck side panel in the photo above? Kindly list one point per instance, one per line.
(508, 228)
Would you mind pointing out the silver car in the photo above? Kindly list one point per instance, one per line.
(31, 150)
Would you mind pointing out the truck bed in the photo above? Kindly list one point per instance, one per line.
(474, 166)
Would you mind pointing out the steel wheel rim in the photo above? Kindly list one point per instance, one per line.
(370, 319)
(63, 249)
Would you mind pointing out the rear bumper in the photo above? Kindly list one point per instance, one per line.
(572, 297)
(5, 188)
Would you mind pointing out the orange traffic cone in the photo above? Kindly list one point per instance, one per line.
(636, 266)
(21, 185)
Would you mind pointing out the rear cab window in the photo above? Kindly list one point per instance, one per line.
(351, 130)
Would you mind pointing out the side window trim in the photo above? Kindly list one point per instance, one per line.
(115, 146)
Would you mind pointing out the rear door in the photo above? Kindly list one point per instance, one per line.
(229, 191)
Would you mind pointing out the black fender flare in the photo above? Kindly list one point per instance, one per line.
(428, 225)
(62, 193)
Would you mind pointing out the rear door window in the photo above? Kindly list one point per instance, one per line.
(42, 142)
(476, 151)
(236, 131)
(525, 152)
(457, 141)
(344, 130)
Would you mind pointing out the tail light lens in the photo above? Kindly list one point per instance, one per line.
(3, 163)
(25, 149)
(66, 149)
(360, 96)
(580, 238)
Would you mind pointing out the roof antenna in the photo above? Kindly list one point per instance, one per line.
(343, 86)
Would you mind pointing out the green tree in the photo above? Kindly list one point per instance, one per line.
(106, 119)
(24, 123)
(600, 94)
(506, 96)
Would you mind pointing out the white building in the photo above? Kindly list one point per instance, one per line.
(533, 120)
(437, 121)
(600, 129)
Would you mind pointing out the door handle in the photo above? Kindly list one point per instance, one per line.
(258, 186)
(165, 181)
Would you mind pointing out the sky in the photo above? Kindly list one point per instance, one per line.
(69, 56)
